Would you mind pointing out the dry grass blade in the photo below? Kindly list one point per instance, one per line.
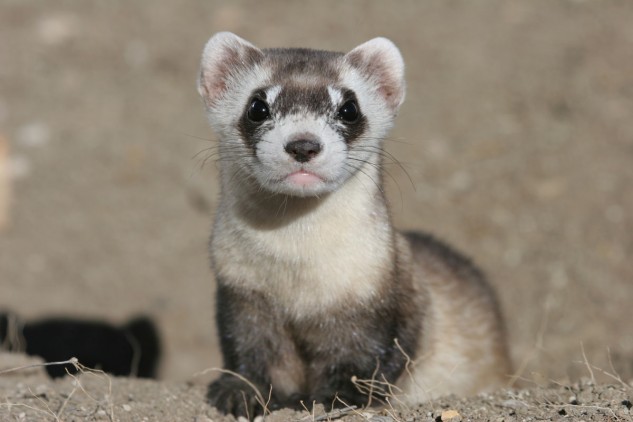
(26, 406)
(335, 414)
(60, 411)
(311, 412)
(98, 373)
(78, 386)
(614, 376)
(586, 361)
(71, 361)
(48, 409)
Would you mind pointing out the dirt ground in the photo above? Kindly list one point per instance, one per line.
(516, 137)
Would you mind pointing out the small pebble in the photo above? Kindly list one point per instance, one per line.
(449, 415)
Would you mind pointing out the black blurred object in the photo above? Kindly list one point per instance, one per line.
(131, 350)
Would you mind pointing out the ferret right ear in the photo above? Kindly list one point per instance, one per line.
(223, 58)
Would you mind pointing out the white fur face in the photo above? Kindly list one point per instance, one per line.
(300, 122)
(277, 171)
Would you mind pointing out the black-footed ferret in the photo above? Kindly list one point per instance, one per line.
(316, 290)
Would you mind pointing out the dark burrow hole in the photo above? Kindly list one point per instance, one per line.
(132, 349)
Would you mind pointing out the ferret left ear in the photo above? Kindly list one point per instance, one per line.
(380, 61)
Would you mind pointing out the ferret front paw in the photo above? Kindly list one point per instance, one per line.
(231, 395)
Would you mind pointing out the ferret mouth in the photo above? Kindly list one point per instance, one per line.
(301, 182)
(303, 179)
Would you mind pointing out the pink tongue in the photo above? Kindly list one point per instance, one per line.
(303, 178)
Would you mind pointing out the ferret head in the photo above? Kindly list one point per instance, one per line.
(296, 121)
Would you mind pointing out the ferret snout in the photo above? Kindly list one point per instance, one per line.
(303, 150)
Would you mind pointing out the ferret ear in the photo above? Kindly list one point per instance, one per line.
(380, 61)
(225, 56)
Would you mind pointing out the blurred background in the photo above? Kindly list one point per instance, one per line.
(516, 140)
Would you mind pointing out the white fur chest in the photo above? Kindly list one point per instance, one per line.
(333, 256)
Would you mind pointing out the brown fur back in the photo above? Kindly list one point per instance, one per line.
(462, 347)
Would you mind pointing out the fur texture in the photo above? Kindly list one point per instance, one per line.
(315, 286)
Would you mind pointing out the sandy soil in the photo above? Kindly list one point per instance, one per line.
(516, 137)
(28, 395)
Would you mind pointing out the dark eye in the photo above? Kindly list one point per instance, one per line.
(258, 110)
(349, 112)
